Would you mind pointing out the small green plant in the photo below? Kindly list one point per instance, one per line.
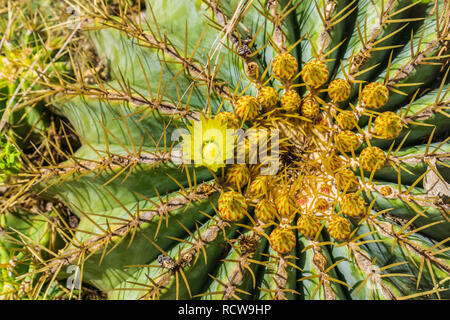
(9, 159)
(31, 51)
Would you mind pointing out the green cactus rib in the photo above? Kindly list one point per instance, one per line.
(152, 228)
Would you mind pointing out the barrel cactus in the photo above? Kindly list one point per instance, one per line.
(349, 102)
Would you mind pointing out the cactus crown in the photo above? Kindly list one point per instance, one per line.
(352, 122)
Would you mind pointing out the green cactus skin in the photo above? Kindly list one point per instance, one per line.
(150, 228)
